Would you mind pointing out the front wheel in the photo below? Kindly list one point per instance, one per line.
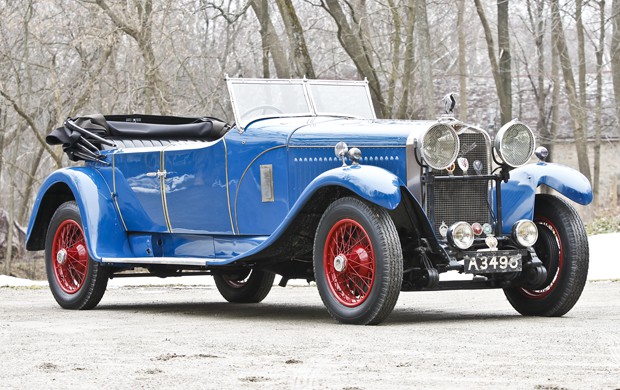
(562, 247)
(358, 262)
(76, 281)
(251, 286)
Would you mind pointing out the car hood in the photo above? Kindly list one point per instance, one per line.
(358, 132)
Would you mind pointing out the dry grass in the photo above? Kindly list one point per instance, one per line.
(605, 220)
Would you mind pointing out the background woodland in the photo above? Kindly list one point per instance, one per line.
(554, 64)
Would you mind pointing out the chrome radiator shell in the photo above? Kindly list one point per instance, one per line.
(449, 201)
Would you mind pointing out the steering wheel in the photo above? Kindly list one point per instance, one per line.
(264, 110)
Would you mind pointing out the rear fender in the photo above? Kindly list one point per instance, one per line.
(519, 193)
(104, 231)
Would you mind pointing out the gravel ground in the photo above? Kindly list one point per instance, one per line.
(189, 337)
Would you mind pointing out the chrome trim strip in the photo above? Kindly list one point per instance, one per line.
(232, 226)
(196, 261)
(243, 175)
(350, 145)
(115, 194)
(162, 186)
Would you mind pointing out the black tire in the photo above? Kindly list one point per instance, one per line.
(562, 246)
(358, 262)
(246, 287)
(76, 281)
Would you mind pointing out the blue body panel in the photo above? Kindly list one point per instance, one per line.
(105, 235)
(519, 193)
(356, 133)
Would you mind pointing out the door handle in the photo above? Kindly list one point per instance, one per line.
(157, 174)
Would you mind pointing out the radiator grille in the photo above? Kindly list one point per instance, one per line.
(469, 201)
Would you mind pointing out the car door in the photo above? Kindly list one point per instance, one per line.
(196, 188)
(138, 188)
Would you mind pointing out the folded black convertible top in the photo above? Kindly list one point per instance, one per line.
(83, 136)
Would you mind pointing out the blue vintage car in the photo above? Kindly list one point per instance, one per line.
(308, 184)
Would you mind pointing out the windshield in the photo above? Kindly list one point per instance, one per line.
(258, 98)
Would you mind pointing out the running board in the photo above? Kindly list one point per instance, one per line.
(194, 261)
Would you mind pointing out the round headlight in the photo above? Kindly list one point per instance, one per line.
(461, 235)
(515, 143)
(525, 233)
(440, 146)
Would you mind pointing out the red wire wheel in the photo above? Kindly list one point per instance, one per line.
(562, 247)
(549, 249)
(349, 262)
(70, 257)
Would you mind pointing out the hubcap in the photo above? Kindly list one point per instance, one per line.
(61, 256)
(340, 262)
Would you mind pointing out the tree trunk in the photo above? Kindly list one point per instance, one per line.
(358, 52)
(427, 89)
(270, 41)
(537, 23)
(2, 133)
(36, 162)
(615, 56)
(499, 86)
(9, 233)
(299, 49)
(396, 54)
(505, 72)
(461, 31)
(408, 63)
(155, 86)
(555, 101)
(599, 102)
(574, 106)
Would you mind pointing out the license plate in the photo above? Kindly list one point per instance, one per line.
(492, 262)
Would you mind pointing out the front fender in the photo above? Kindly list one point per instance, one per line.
(519, 193)
(103, 228)
(374, 184)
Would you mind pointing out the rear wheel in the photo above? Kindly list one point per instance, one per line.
(245, 287)
(358, 262)
(76, 281)
(562, 247)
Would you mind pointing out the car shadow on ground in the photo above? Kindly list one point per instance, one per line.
(225, 310)
(277, 312)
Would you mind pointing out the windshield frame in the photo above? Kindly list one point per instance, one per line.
(308, 97)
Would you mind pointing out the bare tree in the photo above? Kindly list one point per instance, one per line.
(505, 99)
(407, 82)
(357, 50)
(615, 55)
(505, 72)
(299, 49)
(142, 34)
(462, 58)
(598, 122)
(427, 89)
(272, 46)
(574, 106)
